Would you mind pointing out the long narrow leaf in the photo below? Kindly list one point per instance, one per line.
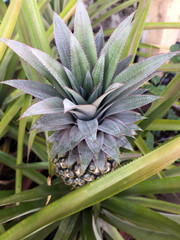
(34, 194)
(10, 113)
(36, 89)
(47, 106)
(165, 185)
(8, 23)
(30, 173)
(135, 231)
(20, 144)
(99, 190)
(156, 204)
(83, 32)
(42, 62)
(140, 214)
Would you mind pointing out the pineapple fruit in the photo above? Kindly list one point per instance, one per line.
(90, 100)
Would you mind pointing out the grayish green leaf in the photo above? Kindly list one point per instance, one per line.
(99, 41)
(53, 120)
(133, 127)
(62, 39)
(88, 128)
(123, 142)
(96, 93)
(110, 127)
(75, 136)
(101, 160)
(77, 97)
(110, 147)
(110, 89)
(55, 138)
(116, 32)
(83, 32)
(34, 57)
(47, 106)
(88, 83)
(79, 62)
(72, 79)
(88, 109)
(36, 89)
(85, 155)
(53, 128)
(54, 67)
(96, 146)
(123, 128)
(80, 115)
(64, 144)
(98, 71)
(113, 54)
(132, 88)
(143, 69)
(123, 64)
(73, 157)
(129, 103)
(129, 117)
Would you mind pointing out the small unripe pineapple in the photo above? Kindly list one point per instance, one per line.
(90, 100)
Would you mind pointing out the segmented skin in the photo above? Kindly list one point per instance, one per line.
(73, 175)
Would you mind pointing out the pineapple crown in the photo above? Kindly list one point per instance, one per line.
(91, 94)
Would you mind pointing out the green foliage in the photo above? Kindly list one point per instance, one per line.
(149, 140)
(71, 212)
(173, 48)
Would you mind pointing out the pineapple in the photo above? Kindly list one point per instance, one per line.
(89, 102)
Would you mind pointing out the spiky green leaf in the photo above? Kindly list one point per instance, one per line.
(123, 142)
(53, 119)
(99, 41)
(64, 144)
(129, 103)
(129, 117)
(143, 69)
(88, 128)
(101, 160)
(83, 32)
(123, 128)
(73, 157)
(96, 93)
(98, 71)
(57, 127)
(113, 54)
(85, 155)
(123, 64)
(75, 136)
(72, 79)
(76, 96)
(88, 83)
(110, 89)
(96, 146)
(79, 62)
(110, 127)
(131, 88)
(116, 32)
(110, 147)
(62, 38)
(36, 89)
(47, 106)
(88, 110)
(42, 62)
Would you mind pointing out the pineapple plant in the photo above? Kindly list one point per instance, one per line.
(91, 96)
